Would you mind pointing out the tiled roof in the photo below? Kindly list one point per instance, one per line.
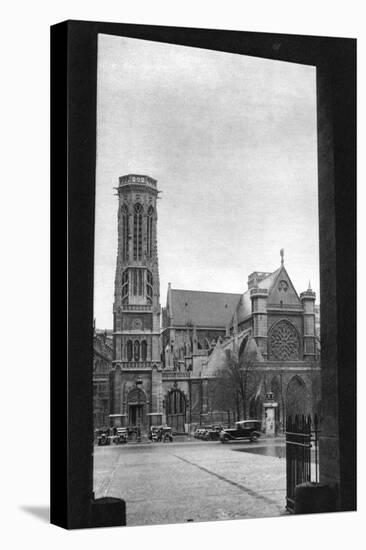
(205, 309)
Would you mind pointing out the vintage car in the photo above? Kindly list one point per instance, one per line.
(199, 433)
(120, 436)
(244, 429)
(155, 433)
(166, 434)
(160, 433)
(103, 438)
(212, 433)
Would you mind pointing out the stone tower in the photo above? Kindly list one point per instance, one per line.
(136, 395)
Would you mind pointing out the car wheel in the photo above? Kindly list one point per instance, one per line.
(254, 437)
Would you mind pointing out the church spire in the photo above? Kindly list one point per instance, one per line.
(282, 253)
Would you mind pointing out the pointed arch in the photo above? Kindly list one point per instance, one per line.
(129, 347)
(143, 350)
(176, 406)
(149, 231)
(243, 346)
(125, 232)
(136, 351)
(297, 397)
(137, 231)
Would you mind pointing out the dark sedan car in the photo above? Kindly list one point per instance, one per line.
(244, 429)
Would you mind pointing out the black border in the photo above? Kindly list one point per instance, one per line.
(73, 148)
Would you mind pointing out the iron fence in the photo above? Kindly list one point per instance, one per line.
(302, 454)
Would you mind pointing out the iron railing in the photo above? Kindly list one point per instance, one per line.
(302, 456)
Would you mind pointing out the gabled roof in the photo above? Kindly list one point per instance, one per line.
(200, 308)
(276, 294)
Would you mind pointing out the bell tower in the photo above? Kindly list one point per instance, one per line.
(136, 376)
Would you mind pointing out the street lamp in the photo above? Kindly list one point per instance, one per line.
(138, 383)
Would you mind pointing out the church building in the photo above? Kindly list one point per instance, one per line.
(163, 370)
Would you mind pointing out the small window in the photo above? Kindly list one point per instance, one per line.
(136, 350)
(143, 350)
(125, 287)
(129, 350)
(137, 232)
(149, 287)
(149, 230)
(125, 233)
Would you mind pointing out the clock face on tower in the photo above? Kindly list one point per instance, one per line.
(137, 324)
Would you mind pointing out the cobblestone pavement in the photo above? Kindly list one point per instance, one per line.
(193, 480)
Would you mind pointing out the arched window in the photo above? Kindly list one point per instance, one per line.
(129, 350)
(136, 351)
(143, 350)
(124, 233)
(149, 287)
(141, 282)
(137, 281)
(125, 287)
(297, 399)
(149, 235)
(137, 232)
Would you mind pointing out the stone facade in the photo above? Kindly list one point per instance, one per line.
(166, 372)
(102, 365)
(136, 396)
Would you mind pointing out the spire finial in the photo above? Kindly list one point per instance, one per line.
(309, 288)
(282, 253)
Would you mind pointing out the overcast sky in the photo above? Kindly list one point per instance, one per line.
(232, 142)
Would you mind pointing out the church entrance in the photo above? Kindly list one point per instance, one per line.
(135, 415)
(176, 411)
(136, 407)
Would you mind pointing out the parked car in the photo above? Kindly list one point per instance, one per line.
(103, 439)
(155, 433)
(161, 433)
(120, 437)
(244, 429)
(167, 434)
(198, 434)
(212, 433)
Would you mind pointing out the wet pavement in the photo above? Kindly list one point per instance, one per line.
(193, 480)
(278, 451)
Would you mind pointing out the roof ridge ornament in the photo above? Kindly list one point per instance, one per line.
(282, 253)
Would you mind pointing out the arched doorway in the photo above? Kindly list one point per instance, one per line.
(297, 402)
(136, 407)
(176, 411)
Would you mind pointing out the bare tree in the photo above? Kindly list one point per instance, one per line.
(236, 383)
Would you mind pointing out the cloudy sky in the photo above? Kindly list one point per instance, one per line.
(232, 142)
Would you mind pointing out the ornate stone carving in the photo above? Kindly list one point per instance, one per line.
(283, 286)
(284, 342)
(137, 324)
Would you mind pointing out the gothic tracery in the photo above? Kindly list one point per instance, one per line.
(284, 342)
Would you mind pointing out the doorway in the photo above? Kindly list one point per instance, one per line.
(176, 411)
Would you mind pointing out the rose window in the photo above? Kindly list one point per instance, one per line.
(284, 342)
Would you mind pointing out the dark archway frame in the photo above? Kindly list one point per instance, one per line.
(73, 157)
